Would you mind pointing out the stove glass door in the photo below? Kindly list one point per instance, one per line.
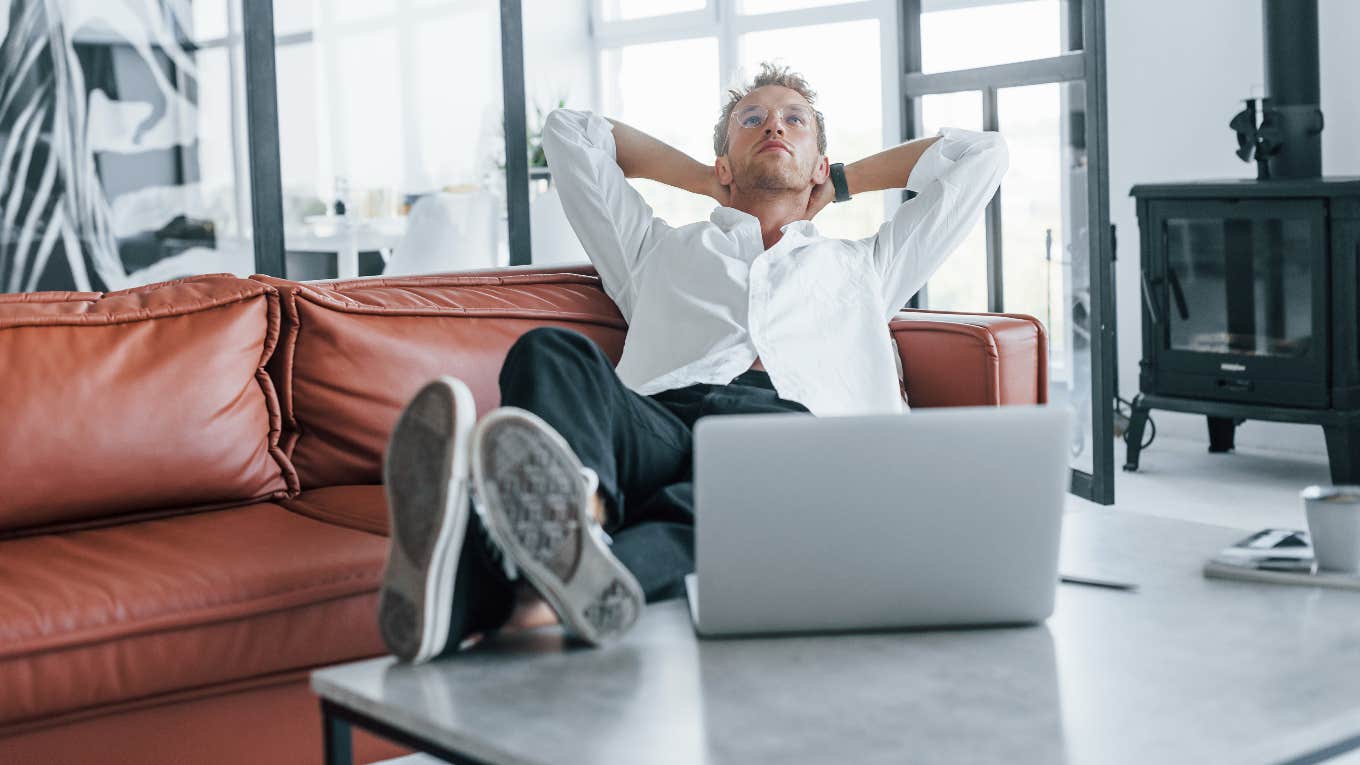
(1241, 286)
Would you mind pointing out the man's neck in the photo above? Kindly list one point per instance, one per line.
(774, 209)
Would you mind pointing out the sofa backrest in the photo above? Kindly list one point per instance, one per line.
(352, 353)
(149, 399)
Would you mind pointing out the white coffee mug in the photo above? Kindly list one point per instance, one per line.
(1334, 525)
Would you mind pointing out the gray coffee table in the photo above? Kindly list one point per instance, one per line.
(1185, 670)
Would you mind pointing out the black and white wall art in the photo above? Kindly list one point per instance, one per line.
(118, 147)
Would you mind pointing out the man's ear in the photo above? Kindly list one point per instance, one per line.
(821, 171)
(724, 170)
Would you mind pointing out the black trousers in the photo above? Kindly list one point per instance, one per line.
(639, 445)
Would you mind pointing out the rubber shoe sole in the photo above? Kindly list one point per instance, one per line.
(425, 478)
(537, 507)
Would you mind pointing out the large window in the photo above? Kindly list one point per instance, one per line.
(665, 68)
(966, 34)
(960, 284)
(677, 109)
(390, 137)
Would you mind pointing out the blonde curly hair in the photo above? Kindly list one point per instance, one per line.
(770, 74)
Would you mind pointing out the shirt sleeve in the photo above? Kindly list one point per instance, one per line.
(954, 180)
(614, 223)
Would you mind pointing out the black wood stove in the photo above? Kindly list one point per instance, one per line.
(1249, 286)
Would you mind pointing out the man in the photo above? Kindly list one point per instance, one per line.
(752, 311)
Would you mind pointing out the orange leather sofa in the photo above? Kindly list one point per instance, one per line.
(190, 511)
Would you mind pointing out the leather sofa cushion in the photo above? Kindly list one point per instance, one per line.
(362, 507)
(133, 401)
(352, 353)
(103, 616)
(274, 719)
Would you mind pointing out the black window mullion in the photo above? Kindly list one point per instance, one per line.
(909, 61)
(996, 299)
(516, 140)
(262, 127)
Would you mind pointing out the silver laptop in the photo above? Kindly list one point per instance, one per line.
(946, 517)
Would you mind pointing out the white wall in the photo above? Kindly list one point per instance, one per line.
(1177, 72)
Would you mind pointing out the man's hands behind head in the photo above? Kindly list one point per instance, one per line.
(720, 193)
(822, 195)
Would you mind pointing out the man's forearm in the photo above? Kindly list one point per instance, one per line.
(888, 169)
(642, 156)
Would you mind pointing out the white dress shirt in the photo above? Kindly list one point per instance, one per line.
(704, 300)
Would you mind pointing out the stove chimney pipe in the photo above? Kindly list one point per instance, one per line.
(1292, 90)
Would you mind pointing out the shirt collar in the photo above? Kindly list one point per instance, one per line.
(728, 218)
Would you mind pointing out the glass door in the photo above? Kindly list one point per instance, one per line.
(1242, 286)
(1034, 71)
(1045, 239)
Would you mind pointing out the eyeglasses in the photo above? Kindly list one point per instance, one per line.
(795, 116)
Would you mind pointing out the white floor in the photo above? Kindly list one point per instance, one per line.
(1247, 489)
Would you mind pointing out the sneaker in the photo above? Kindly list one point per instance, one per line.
(483, 594)
(441, 581)
(536, 497)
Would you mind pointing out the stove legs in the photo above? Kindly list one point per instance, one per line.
(1133, 437)
(1221, 430)
(1343, 452)
(1343, 432)
(1221, 433)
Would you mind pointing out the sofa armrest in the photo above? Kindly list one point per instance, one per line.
(963, 359)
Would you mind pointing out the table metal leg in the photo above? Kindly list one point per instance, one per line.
(338, 724)
(339, 741)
